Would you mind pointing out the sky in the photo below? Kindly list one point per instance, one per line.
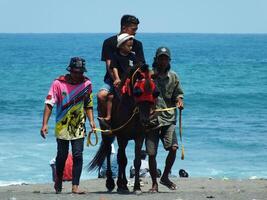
(103, 16)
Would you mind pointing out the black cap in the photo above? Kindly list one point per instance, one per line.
(163, 51)
(129, 19)
(78, 64)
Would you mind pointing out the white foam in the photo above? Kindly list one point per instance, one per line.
(7, 183)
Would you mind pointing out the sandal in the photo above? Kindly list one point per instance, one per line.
(168, 184)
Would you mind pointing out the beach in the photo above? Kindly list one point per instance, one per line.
(188, 189)
(224, 120)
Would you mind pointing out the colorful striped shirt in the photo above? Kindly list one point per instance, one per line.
(71, 100)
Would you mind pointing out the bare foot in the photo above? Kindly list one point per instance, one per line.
(168, 183)
(154, 188)
(76, 190)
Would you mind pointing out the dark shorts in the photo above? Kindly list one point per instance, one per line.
(166, 134)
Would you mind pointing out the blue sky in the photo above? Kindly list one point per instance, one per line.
(97, 16)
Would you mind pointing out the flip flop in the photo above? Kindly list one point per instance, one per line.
(104, 123)
(169, 184)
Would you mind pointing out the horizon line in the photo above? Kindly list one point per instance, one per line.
(219, 33)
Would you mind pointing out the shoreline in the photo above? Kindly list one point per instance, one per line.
(188, 188)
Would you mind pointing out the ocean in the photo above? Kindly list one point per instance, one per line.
(224, 77)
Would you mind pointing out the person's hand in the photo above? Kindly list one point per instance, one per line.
(44, 131)
(93, 126)
(117, 82)
(180, 104)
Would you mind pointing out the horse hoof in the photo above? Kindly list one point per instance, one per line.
(123, 190)
(110, 185)
(138, 192)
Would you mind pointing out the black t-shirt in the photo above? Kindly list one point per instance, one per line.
(123, 63)
(110, 47)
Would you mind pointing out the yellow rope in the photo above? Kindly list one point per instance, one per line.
(89, 141)
(134, 75)
(165, 109)
(180, 132)
(108, 131)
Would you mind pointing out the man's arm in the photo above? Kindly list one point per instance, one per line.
(47, 113)
(107, 52)
(179, 94)
(109, 69)
(90, 115)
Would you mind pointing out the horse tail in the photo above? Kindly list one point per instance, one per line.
(103, 151)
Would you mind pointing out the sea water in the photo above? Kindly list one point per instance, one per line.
(224, 123)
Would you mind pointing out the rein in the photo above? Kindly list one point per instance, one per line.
(108, 131)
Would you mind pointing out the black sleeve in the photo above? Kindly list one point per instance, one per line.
(108, 48)
(105, 50)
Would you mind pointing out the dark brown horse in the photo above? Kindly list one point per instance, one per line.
(130, 119)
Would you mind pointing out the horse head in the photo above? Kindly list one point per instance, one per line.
(142, 88)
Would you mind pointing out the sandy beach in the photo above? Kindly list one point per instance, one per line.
(188, 189)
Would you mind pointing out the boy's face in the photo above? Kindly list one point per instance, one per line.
(163, 62)
(127, 46)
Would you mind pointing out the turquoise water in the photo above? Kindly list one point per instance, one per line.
(224, 78)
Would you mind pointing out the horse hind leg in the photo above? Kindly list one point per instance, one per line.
(122, 162)
(110, 184)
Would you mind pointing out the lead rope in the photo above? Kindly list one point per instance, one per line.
(108, 131)
(180, 131)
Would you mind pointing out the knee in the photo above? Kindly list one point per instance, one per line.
(61, 157)
(152, 154)
(110, 97)
(77, 156)
(102, 95)
(152, 157)
(62, 154)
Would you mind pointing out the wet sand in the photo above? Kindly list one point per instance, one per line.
(188, 189)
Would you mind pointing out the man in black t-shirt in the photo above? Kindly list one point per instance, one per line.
(129, 24)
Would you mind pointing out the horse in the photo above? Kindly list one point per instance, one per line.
(130, 120)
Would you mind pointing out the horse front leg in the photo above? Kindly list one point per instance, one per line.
(137, 162)
(122, 163)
